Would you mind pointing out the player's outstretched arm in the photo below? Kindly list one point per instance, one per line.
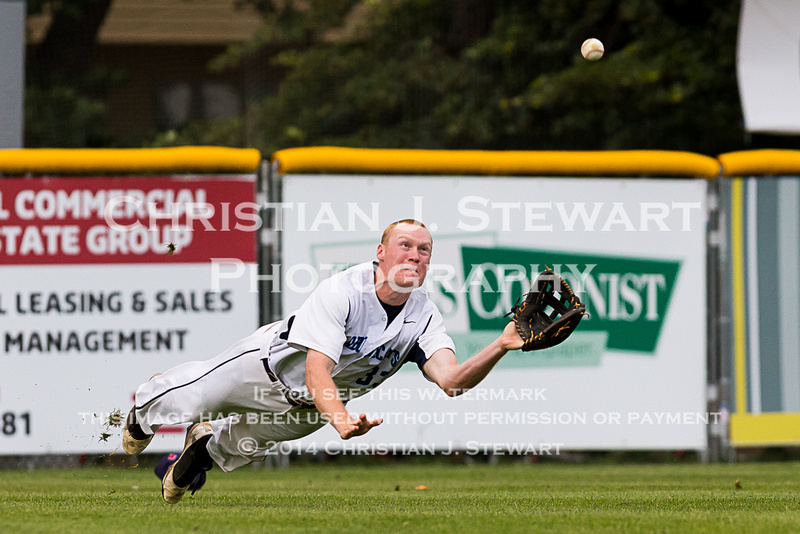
(454, 378)
(327, 400)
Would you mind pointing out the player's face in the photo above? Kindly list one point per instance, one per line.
(406, 255)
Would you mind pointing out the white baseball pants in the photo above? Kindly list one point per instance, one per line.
(233, 387)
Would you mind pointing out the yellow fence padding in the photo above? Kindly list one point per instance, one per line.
(207, 159)
(498, 163)
(758, 430)
(185, 159)
(775, 162)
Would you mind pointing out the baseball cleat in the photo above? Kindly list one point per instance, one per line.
(188, 464)
(134, 441)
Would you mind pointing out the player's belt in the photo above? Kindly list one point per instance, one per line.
(292, 397)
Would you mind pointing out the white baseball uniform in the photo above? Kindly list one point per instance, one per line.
(257, 386)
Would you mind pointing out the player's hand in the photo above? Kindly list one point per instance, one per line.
(509, 339)
(357, 427)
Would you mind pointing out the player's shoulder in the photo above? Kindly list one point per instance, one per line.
(357, 276)
(352, 280)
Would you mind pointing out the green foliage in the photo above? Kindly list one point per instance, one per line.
(224, 132)
(498, 75)
(483, 74)
(61, 116)
(64, 94)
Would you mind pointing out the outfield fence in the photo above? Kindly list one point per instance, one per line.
(116, 264)
(761, 200)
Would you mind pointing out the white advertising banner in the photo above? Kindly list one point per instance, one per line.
(632, 377)
(103, 283)
(768, 65)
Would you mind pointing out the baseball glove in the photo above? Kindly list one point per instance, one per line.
(548, 314)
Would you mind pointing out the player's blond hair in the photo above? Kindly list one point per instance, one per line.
(388, 231)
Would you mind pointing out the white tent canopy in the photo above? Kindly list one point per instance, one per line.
(768, 65)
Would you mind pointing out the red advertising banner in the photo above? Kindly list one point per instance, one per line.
(124, 220)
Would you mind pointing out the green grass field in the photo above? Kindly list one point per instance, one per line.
(383, 498)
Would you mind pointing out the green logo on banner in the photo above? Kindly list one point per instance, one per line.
(627, 298)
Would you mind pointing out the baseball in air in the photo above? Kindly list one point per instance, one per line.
(592, 49)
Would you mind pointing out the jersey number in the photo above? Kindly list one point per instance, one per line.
(366, 380)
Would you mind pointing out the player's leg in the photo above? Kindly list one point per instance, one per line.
(234, 444)
(134, 438)
(196, 391)
(193, 460)
(237, 442)
(242, 438)
(252, 437)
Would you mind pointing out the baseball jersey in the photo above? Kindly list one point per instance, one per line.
(343, 319)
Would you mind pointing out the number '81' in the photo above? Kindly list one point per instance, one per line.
(10, 423)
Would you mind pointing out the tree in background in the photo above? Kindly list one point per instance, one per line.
(457, 74)
(495, 74)
(64, 93)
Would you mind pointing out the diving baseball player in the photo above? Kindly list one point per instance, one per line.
(292, 377)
